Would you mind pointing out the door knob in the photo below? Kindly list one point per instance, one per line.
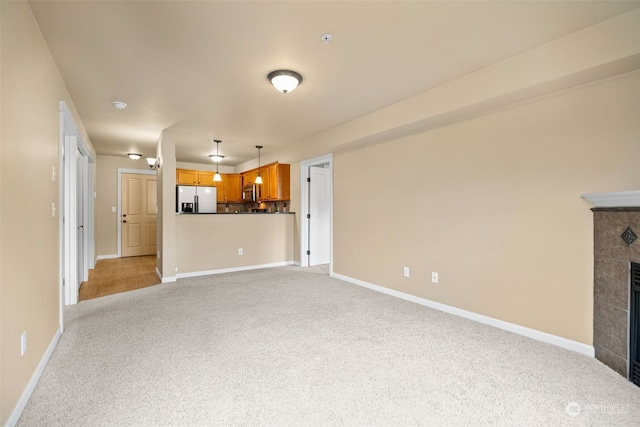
(124, 220)
(124, 215)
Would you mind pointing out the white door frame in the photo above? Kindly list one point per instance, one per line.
(119, 214)
(70, 141)
(304, 208)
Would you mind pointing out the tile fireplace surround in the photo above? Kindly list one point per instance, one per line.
(616, 234)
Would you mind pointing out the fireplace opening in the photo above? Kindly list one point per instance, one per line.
(634, 323)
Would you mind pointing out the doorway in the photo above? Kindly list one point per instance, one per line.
(137, 211)
(76, 210)
(316, 206)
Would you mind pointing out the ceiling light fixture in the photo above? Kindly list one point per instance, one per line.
(119, 105)
(134, 156)
(217, 159)
(259, 177)
(285, 80)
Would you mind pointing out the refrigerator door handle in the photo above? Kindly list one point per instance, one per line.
(195, 204)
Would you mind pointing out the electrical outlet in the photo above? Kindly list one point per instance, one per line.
(113, 209)
(23, 343)
(240, 251)
(434, 277)
(406, 272)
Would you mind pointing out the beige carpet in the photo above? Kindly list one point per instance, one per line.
(291, 346)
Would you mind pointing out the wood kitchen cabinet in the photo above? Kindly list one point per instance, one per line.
(186, 177)
(233, 187)
(275, 182)
(205, 179)
(193, 177)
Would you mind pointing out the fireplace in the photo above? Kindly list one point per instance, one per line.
(634, 323)
(616, 287)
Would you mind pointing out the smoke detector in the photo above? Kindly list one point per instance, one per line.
(326, 38)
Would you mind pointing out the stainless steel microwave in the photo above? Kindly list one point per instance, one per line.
(249, 193)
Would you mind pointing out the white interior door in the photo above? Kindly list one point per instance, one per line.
(79, 218)
(76, 198)
(320, 215)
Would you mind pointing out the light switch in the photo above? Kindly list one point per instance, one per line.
(113, 209)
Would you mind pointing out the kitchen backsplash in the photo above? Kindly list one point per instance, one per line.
(283, 206)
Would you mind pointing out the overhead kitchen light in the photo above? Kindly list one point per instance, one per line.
(285, 80)
(217, 159)
(259, 178)
(151, 161)
(119, 105)
(134, 156)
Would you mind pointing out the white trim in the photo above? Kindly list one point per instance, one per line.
(304, 208)
(71, 141)
(620, 199)
(119, 172)
(26, 394)
(233, 269)
(565, 343)
(110, 256)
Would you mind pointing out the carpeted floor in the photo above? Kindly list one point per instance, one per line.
(292, 346)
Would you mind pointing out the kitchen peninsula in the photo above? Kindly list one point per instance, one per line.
(243, 234)
(219, 243)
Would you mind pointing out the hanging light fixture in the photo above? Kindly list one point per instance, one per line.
(217, 158)
(259, 178)
(285, 80)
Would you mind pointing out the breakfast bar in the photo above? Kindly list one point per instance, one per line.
(224, 242)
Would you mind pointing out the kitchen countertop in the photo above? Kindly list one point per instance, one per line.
(237, 213)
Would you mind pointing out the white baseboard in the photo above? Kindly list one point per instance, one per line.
(568, 344)
(234, 269)
(112, 256)
(26, 394)
(168, 279)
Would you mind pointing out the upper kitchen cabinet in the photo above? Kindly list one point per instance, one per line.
(275, 182)
(193, 177)
(186, 177)
(205, 179)
(233, 187)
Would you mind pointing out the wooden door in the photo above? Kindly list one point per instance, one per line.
(138, 215)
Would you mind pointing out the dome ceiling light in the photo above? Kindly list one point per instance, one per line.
(119, 105)
(285, 80)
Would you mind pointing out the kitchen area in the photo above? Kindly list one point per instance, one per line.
(233, 223)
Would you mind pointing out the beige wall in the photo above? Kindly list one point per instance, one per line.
(479, 179)
(30, 133)
(211, 242)
(106, 221)
(493, 205)
(166, 205)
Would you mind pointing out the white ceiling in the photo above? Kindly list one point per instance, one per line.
(199, 68)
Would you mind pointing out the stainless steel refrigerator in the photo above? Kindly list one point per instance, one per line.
(191, 199)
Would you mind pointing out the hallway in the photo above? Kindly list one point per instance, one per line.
(112, 276)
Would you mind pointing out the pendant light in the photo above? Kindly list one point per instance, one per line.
(259, 178)
(217, 158)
